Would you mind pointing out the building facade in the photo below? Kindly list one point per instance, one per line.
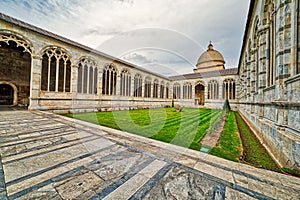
(45, 71)
(269, 77)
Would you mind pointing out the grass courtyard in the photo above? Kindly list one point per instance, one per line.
(187, 129)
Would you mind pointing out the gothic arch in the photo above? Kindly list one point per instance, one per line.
(138, 84)
(56, 59)
(15, 100)
(147, 85)
(200, 92)
(20, 65)
(187, 90)
(229, 88)
(87, 58)
(125, 82)
(176, 90)
(21, 41)
(55, 49)
(87, 76)
(200, 82)
(109, 80)
(213, 89)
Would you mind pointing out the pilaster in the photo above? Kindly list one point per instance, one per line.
(99, 90)
(35, 81)
(118, 85)
(74, 81)
(143, 88)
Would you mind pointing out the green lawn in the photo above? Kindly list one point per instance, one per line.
(230, 144)
(185, 128)
(254, 153)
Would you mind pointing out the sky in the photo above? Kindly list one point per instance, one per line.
(163, 36)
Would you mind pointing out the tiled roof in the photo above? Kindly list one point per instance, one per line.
(230, 71)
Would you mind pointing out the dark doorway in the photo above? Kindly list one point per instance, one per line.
(199, 94)
(15, 67)
(6, 94)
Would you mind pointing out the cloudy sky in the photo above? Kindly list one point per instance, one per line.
(164, 36)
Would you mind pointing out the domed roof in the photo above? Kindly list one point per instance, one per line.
(210, 55)
(210, 60)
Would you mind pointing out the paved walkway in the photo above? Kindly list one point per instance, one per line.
(45, 156)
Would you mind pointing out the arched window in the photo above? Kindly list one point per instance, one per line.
(213, 90)
(187, 91)
(162, 90)
(167, 91)
(147, 87)
(138, 84)
(125, 84)
(56, 70)
(109, 80)
(228, 89)
(87, 79)
(155, 88)
(176, 91)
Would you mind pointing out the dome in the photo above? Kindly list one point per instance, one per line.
(210, 60)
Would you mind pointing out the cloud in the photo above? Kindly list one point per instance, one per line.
(138, 59)
(121, 26)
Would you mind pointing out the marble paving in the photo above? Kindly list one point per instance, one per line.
(46, 156)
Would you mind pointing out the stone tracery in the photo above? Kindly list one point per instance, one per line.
(176, 91)
(56, 70)
(147, 87)
(187, 90)
(213, 89)
(125, 83)
(229, 89)
(109, 80)
(87, 78)
(19, 42)
(138, 84)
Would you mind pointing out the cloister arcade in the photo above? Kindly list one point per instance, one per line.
(53, 73)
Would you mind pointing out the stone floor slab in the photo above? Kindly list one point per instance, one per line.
(46, 156)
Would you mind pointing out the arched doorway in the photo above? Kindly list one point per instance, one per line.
(199, 94)
(15, 67)
(6, 94)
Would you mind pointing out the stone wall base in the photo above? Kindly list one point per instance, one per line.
(282, 143)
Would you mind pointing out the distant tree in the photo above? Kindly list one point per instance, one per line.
(226, 105)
